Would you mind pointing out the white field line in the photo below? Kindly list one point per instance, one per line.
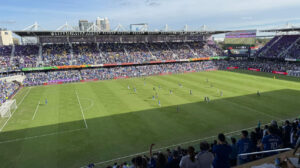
(36, 109)
(86, 126)
(174, 145)
(39, 136)
(15, 109)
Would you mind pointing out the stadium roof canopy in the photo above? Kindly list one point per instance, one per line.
(34, 33)
(292, 29)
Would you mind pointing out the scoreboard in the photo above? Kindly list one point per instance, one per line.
(243, 37)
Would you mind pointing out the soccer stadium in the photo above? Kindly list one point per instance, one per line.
(141, 98)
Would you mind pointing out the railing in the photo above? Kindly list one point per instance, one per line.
(262, 152)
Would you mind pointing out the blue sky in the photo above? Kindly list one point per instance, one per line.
(216, 14)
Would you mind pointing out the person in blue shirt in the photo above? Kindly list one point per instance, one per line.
(271, 141)
(46, 101)
(222, 152)
(244, 146)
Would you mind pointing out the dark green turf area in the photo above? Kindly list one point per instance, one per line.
(121, 122)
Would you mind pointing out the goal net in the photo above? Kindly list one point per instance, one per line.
(7, 107)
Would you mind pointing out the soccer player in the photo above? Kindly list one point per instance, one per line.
(206, 80)
(190, 92)
(258, 93)
(159, 103)
(153, 97)
(154, 89)
(144, 83)
(158, 86)
(46, 101)
(156, 94)
(221, 93)
(208, 100)
(171, 92)
(128, 87)
(134, 90)
(211, 85)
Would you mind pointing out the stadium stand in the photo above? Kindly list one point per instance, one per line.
(281, 47)
(27, 56)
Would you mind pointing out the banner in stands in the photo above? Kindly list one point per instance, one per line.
(292, 59)
(232, 67)
(278, 72)
(253, 69)
(123, 64)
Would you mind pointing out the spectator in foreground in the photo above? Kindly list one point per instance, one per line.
(244, 146)
(174, 163)
(271, 141)
(204, 157)
(189, 161)
(222, 151)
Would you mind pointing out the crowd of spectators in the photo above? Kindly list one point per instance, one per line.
(224, 151)
(38, 78)
(56, 54)
(5, 54)
(27, 56)
(7, 89)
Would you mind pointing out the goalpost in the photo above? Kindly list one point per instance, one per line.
(7, 107)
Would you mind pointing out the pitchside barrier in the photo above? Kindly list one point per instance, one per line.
(276, 151)
(195, 143)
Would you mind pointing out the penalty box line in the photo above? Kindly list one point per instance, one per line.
(86, 126)
(15, 109)
(40, 136)
(174, 145)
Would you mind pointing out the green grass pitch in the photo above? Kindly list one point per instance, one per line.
(99, 121)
